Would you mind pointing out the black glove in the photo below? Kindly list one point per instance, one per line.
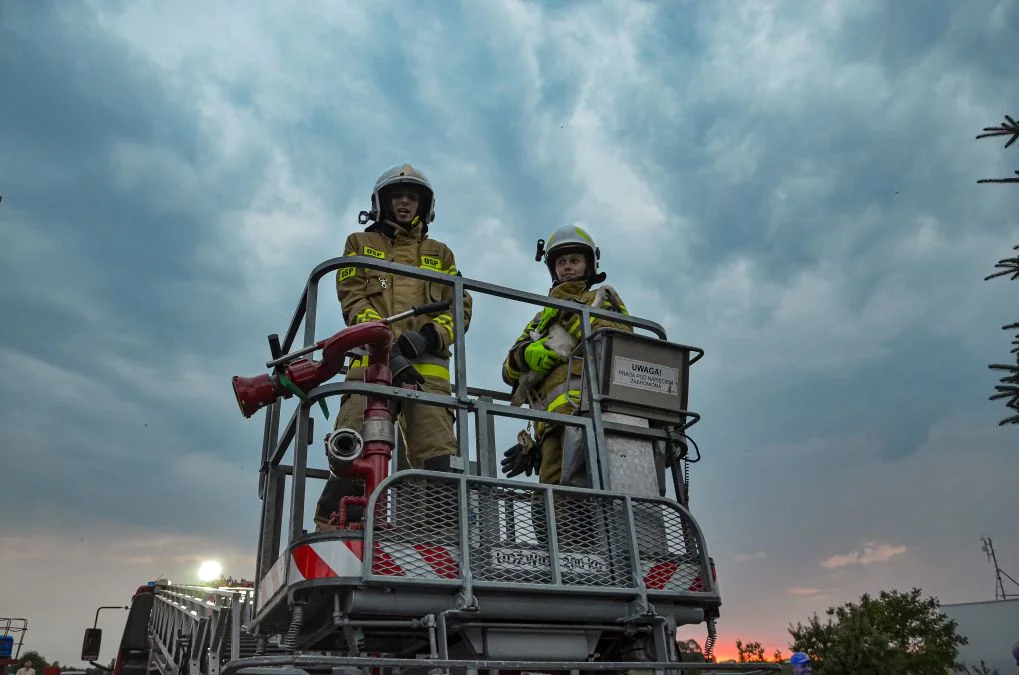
(414, 343)
(522, 458)
(403, 370)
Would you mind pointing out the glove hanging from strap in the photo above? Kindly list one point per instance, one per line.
(522, 458)
(403, 370)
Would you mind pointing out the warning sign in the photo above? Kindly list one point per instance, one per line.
(652, 377)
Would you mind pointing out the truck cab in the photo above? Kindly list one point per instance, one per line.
(134, 652)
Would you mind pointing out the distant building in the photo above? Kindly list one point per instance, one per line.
(992, 629)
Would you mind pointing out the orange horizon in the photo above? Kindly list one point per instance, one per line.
(725, 651)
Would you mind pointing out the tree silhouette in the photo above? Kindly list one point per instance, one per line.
(890, 634)
(982, 669)
(1008, 389)
(751, 652)
(691, 650)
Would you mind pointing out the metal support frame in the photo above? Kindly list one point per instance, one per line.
(274, 548)
(303, 662)
(10, 626)
(464, 399)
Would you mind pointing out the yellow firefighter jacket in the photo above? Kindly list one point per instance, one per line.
(554, 391)
(366, 294)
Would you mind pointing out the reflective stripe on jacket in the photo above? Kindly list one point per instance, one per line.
(556, 389)
(366, 294)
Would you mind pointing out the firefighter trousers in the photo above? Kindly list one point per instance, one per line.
(572, 513)
(427, 431)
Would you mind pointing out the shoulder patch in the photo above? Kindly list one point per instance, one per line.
(431, 262)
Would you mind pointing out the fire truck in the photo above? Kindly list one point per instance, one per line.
(463, 571)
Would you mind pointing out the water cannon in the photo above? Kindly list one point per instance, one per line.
(363, 455)
(292, 374)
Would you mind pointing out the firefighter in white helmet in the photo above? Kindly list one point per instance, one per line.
(402, 208)
(536, 366)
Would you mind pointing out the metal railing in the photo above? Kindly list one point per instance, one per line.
(465, 400)
(195, 629)
(577, 540)
(14, 628)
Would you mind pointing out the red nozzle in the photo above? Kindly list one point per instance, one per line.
(253, 393)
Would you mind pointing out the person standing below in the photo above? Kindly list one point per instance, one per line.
(402, 208)
(26, 669)
(800, 663)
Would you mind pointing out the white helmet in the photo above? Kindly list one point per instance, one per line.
(401, 174)
(568, 239)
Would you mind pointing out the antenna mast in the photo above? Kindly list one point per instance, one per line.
(988, 548)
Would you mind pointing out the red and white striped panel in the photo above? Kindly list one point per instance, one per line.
(272, 582)
(330, 558)
(422, 561)
(672, 575)
(438, 562)
(335, 558)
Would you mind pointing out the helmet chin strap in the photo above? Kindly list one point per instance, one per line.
(384, 221)
(589, 280)
(406, 227)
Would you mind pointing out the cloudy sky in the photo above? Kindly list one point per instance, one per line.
(790, 185)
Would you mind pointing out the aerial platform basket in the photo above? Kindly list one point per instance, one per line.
(501, 578)
(586, 557)
(469, 571)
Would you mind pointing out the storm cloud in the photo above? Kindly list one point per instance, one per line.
(790, 186)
